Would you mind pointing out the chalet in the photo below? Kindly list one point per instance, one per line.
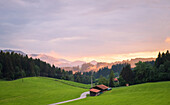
(101, 87)
(94, 92)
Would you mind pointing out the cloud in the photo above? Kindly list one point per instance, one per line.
(167, 40)
(28, 40)
(67, 39)
(118, 57)
(86, 27)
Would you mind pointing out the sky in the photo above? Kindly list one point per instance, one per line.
(101, 30)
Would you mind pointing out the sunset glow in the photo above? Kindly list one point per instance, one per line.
(167, 40)
(105, 31)
(112, 58)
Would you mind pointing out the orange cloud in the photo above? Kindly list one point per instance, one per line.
(54, 54)
(110, 57)
(167, 40)
(118, 57)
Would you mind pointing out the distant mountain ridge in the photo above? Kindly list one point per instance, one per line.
(136, 60)
(95, 67)
(15, 51)
(50, 59)
(56, 61)
(80, 66)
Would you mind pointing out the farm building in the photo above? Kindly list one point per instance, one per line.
(95, 91)
(101, 87)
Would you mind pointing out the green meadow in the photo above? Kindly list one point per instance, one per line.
(75, 84)
(37, 91)
(44, 91)
(157, 93)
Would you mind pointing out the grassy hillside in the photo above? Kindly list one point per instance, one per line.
(143, 94)
(36, 91)
(75, 84)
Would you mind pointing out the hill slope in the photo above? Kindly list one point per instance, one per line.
(37, 91)
(143, 94)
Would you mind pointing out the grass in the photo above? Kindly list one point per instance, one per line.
(75, 84)
(44, 91)
(143, 94)
(37, 91)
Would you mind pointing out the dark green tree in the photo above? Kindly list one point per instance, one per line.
(23, 74)
(158, 61)
(31, 69)
(127, 74)
(37, 70)
(122, 82)
(144, 72)
(111, 79)
(0, 70)
(167, 55)
(103, 80)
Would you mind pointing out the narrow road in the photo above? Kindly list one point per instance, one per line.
(83, 95)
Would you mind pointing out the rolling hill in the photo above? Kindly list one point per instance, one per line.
(38, 91)
(157, 93)
(43, 91)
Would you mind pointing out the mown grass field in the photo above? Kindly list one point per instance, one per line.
(157, 93)
(37, 91)
(76, 84)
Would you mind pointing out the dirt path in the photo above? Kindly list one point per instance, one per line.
(83, 95)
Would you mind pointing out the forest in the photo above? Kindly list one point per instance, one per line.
(147, 71)
(14, 66)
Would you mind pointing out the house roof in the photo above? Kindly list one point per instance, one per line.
(115, 79)
(94, 90)
(102, 87)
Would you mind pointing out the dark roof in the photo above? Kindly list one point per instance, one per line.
(94, 90)
(102, 87)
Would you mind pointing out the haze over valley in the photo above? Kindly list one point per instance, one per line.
(80, 66)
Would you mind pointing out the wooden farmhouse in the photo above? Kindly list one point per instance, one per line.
(94, 92)
(98, 89)
(101, 87)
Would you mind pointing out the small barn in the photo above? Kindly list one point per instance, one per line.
(94, 92)
(101, 87)
(98, 89)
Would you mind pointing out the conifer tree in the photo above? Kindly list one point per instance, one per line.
(111, 78)
(127, 74)
(0, 70)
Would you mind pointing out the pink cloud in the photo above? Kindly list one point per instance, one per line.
(167, 40)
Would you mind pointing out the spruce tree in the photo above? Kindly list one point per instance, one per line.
(158, 61)
(0, 70)
(127, 74)
(111, 77)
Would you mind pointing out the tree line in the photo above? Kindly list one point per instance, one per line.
(147, 71)
(14, 66)
(150, 71)
(105, 71)
(106, 76)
